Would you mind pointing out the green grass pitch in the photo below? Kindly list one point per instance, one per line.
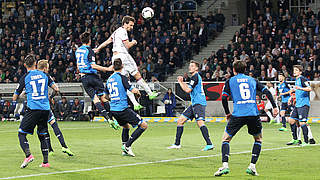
(98, 154)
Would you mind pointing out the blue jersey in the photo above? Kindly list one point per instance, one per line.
(85, 57)
(242, 89)
(117, 86)
(36, 84)
(197, 94)
(283, 88)
(302, 97)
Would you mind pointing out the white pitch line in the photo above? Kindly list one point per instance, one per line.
(143, 163)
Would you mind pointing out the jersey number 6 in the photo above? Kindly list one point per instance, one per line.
(244, 90)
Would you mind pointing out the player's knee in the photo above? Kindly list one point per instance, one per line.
(126, 126)
(200, 123)
(96, 99)
(258, 139)
(52, 122)
(144, 125)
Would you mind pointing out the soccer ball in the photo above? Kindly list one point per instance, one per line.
(147, 13)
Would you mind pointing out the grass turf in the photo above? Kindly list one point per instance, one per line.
(96, 145)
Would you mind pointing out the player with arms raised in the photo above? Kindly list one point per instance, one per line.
(121, 45)
(242, 89)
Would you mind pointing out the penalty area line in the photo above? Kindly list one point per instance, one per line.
(144, 163)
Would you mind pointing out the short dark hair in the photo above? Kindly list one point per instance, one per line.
(196, 63)
(117, 64)
(298, 67)
(85, 37)
(281, 74)
(240, 66)
(30, 60)
(127, 19)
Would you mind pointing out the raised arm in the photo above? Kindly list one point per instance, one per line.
(103, 45)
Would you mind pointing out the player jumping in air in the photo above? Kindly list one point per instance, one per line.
(117, 87)
(43, 65)
(121, 45)
(36, 85)
(301, 109)
(91, 82)
(242, 89)
(198, 108)
(284, 93)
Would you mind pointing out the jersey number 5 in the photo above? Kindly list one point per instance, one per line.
(113, 89)
(244, 90)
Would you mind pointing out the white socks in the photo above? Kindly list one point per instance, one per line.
(309, 133)
(299, 133)
(132, 98)
(270, 115)
(252, 166)
(145, 86)
(225, 164)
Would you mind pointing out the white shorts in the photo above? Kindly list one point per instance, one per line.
(268, 105)
(129, 65)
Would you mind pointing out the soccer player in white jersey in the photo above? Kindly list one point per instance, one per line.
(121, 45)
(268, 105)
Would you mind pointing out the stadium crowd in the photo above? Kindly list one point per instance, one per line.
(51, 29)
(271, 42)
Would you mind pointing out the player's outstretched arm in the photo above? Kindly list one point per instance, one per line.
(19, 89)
(265, 91)
(225, 94)
(101, 68)
(103, 45)
(183, 85)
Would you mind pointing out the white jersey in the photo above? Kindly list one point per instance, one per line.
(118, 37)
(273, 93)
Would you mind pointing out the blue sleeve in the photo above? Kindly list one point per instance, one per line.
(21, 86)
(193, 82)
(91, 57)
(50, 80)
(226, 89)
(126, 84)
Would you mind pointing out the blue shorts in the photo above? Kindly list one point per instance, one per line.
(235, 124)
(127, 116)
(93, 85)
(197, 111)
(300, 113)
(284, 106)
(33, 118)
